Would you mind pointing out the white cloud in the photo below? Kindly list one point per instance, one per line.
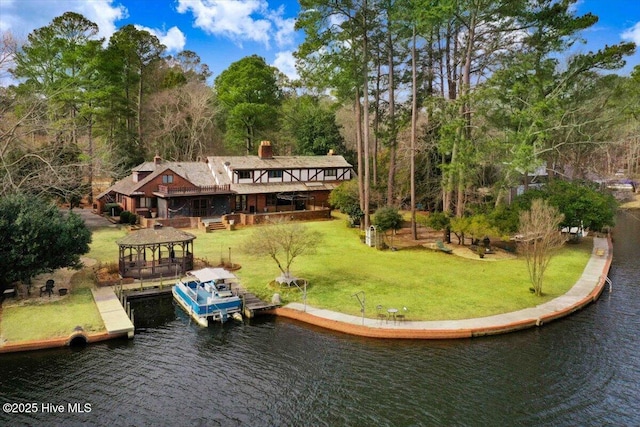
(22, 17)
(632, 34)
(286, 62)
(105, 14)
(241, 20)
(173, 39)
(232, 19)
(285, 28)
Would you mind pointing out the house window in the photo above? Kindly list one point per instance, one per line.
(167, 179)
(275, 173)
(245, 174)
(146, 202)
(241, 202)
(272, 200)
(331, 172)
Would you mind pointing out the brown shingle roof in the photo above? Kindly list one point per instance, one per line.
(197, 173)
(279, 162)
(150, 236)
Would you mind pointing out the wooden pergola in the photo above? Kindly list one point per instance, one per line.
(156, 252)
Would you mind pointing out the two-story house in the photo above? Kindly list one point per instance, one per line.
(245, 188)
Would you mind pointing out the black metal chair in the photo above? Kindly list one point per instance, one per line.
(402, 316)
(47, 288)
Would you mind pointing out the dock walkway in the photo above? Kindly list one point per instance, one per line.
(251, 304)
(113, 314)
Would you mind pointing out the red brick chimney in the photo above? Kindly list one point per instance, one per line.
(265, 151)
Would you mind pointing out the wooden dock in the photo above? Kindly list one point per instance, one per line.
(113, 314)
(251, 304)
(149, 292)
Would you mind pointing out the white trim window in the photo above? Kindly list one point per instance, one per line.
(331, 173)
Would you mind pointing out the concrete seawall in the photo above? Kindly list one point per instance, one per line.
(586, 290)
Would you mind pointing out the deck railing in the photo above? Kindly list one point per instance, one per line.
(164, 189)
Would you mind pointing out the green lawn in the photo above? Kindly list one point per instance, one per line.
(431, 285)
(44, 320)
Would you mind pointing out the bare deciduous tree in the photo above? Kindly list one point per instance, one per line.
(539, 238)
(182, 121)
(283, 241)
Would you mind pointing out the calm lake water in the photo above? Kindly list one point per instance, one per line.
(580, 371)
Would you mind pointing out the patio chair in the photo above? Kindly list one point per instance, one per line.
(443, 248)
(47, 288)
(402, 316)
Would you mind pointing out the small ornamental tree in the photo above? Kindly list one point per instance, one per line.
(346, 199)
(386, 219)
(460, 226)
(283, 241)
(439, 221)
(539, 238)
(36, 238)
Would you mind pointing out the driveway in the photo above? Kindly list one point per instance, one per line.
(92, 220)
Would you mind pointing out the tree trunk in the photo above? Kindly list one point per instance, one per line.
(90, 138)
(365, 133)
(392, 125)
(376, 127)
(358, 117)
(139, 121)
(414, 124)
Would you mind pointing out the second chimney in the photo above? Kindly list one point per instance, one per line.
(265, 151)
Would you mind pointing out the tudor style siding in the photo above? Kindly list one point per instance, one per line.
(267, 176)
(220, 185)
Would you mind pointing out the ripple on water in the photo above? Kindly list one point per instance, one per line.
(277, 372)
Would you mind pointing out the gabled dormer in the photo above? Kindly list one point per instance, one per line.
(145, 169)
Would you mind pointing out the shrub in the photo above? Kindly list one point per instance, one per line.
(127, 217)
(112, 209)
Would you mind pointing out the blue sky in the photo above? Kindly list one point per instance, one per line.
(225, 31)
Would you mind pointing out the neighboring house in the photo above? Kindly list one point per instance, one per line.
(244, 186)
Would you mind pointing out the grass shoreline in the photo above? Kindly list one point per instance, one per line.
(43, 319)
(432, 285)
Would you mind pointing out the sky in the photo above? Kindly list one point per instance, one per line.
(224, 31)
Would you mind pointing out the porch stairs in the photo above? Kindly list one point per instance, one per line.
(212, 225)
